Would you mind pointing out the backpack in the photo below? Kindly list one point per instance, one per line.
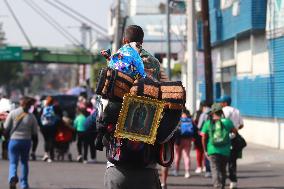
(186, 127)
(64, 134)
(48, 117)
(90, 123)
(218, 134)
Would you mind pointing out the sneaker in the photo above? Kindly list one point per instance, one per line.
(45, 158)
(79, 158)
(207, 175)
(175, 173)
(198, 170)
(13, 183)
(164, 186)
(233, 185)
(187, 175)
(49, 160)
(85, 161)
(204, 169)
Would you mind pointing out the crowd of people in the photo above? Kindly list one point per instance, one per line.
(212, 130)
(19, 133)
(195, 133)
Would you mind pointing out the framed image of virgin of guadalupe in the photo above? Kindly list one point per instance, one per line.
(139, 119)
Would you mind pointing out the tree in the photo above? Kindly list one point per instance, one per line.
(10, 74)
(176, 71)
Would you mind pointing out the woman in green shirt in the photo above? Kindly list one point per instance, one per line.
(79, 125)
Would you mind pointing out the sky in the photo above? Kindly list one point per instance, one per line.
(39, 31)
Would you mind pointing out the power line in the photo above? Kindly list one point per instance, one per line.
(55, 24)
(18, 23)
(52, 22)
(73, 17)
(82, 16)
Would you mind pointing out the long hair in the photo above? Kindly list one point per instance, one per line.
(26, 102)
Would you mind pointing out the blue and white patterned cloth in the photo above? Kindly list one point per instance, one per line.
(128, 60)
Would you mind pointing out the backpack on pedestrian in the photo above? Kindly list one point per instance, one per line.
(186, 127)
(218, 134)
(48, 117)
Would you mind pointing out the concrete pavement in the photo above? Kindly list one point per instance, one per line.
(261, 167)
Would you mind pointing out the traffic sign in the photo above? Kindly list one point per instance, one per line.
(10, 53)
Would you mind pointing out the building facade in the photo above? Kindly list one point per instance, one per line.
(247, 42)
(151, 16)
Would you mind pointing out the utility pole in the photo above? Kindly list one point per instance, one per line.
(84, 29)
(207, 51)
(168, 39)
(2, 35)
(191, 58)
(117, 37)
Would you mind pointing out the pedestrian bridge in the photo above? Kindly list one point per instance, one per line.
(49, 55)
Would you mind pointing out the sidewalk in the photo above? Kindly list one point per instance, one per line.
(261, 168)
(254, 153)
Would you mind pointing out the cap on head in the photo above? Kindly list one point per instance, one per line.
(134, 33)
(216, 107)
(226, 99)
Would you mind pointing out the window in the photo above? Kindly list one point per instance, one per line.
(226, 3)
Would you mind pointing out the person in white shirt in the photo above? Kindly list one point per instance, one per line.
(234, 115)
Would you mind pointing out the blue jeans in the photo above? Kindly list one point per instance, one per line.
(19, 149)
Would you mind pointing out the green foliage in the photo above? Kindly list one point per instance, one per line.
(176, 71)
(96, 70)
(9, 72)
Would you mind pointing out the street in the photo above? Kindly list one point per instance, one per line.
(261, 167)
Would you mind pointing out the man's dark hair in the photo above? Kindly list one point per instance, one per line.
(134, 33)
(187, 112)
(204, 103)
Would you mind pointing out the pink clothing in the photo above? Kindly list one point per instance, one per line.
(184, 148)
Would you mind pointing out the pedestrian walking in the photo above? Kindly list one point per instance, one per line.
(36, 111)
(63, 137)
(21, 125)
(183, 143)
(90, 125)
(234, 115)
(199, 150)
(127, 175)
(216, 143)
(49, 120)
(5, 108)
(200, 161)
(82, 135)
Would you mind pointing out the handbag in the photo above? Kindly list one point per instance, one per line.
(239, 143)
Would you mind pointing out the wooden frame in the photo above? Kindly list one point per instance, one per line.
(139, 119)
